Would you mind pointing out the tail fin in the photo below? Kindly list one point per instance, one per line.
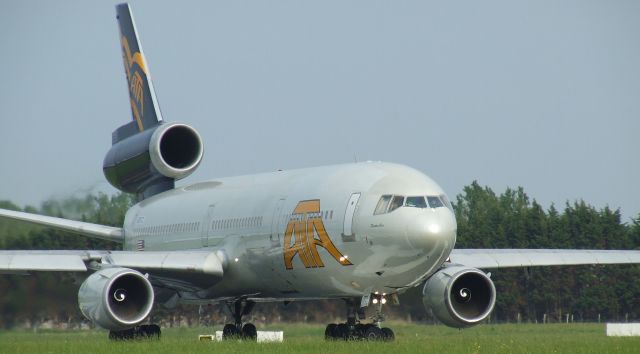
(144, 105)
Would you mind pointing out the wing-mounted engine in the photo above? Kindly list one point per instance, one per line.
(149, 162)
(459, 296)
(116, 298)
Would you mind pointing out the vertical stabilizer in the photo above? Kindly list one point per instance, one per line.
(144, 105)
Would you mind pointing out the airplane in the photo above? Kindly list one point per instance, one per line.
(361, 232)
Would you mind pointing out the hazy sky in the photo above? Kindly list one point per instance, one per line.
(539, 94)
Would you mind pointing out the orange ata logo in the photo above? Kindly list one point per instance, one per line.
(136, 84)
(305, 232)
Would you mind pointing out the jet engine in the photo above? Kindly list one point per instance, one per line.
(148, 162)
(116, 298)
(459, 296)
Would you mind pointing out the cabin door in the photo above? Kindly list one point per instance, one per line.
(347, 231)
(277, 224)
(212, 232)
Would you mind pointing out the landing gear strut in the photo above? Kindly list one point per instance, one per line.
(151, 331)
(354, 330)
(237, 330)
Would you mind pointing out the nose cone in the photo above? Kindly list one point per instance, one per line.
(432, 230)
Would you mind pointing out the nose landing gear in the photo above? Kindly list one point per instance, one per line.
(354, 330)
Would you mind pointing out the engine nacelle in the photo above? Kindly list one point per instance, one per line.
(148, 162)
(116, 298)
(459, 296)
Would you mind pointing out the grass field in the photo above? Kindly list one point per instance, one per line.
(305, 338)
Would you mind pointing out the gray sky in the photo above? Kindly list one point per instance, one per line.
(539, 94)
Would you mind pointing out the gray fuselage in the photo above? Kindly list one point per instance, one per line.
(296, 234)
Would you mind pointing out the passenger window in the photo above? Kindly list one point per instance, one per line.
(435, 202)
(383, 203)
(396, 202)
(416, 202)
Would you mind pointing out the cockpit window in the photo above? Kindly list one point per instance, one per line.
(446, 201)
(396, 202)
(435, 202)
(383, 203)
(415, 202)
(389, 203)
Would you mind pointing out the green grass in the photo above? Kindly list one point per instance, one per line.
(304, 338)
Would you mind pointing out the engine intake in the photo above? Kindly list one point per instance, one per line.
(175, 150)
(116, 298)
(459, 296)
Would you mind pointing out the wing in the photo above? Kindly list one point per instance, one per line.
(160, 263)
(108, 233)
(508, 258)
(185, 269)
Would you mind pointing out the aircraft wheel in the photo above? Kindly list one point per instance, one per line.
(373, 333)
(115, 335)
(388, 335)
(360, 329)
(250, 332)
(230, 331)
(127, 334)
(151, 331)
(330, 332)
(342, 331)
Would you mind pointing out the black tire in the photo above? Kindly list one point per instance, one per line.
(127, 334)
(389, 336)
(250, 332)
(155, 331)
(230, 331)
(151, 331)
(342, 331)
(330, 333)
(360, 329)
(373, 333)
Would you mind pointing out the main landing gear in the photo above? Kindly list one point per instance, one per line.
(237, 330)
(151, 331)
(354, 330)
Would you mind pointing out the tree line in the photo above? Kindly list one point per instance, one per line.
(588, 293)
(485, 220)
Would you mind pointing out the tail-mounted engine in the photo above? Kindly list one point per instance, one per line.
(459, 296)
(116, 298)
(148, 162)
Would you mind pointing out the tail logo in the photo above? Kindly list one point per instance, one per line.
(305, 232)
(135, 67)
